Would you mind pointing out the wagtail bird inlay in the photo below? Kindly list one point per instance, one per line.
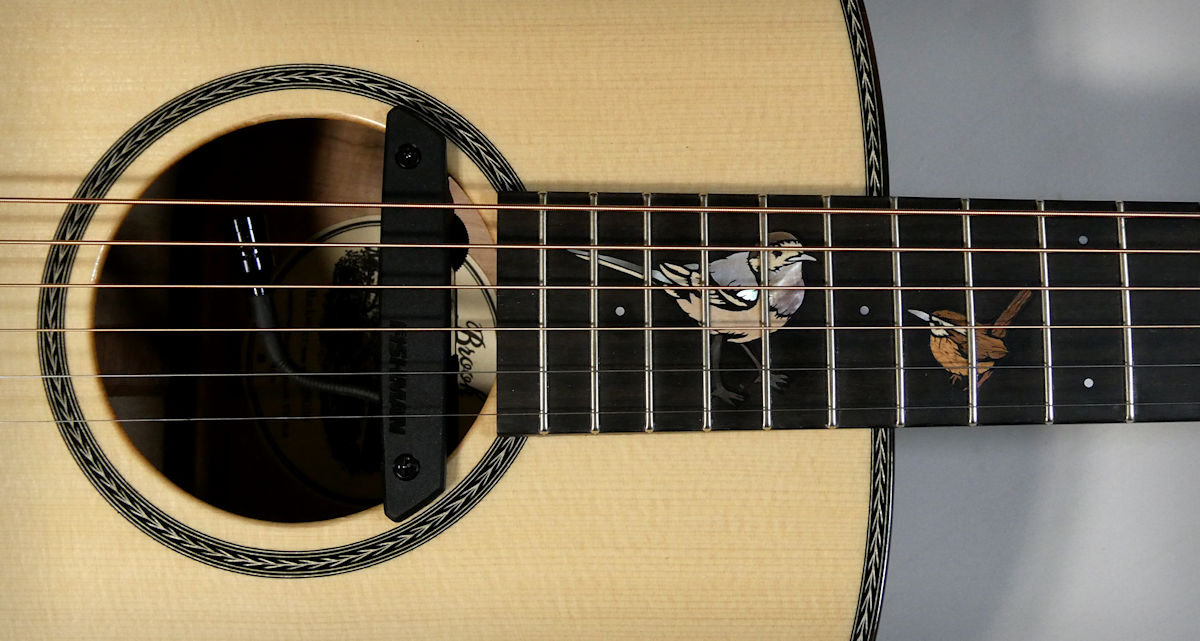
(949, 342)
(737, 312)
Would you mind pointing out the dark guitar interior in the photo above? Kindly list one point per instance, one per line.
(203, 406)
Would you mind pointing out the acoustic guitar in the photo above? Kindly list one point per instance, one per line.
(515, 320)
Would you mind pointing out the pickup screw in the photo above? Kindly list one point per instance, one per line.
(408, 156)
(406, 467)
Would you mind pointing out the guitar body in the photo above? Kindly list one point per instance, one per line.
(732, 534)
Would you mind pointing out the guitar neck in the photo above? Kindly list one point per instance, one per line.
(1008, 312)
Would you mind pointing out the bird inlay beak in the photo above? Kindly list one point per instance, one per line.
(919, 314)
(800, 258)
(937, 323)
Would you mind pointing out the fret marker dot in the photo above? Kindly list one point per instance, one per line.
(864, 310)
(1088, 383)
(620, 311)
(1083, 240)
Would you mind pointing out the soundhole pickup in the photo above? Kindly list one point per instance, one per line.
(419, 389)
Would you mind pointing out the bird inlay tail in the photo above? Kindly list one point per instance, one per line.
(1006, 317)
(623, 266)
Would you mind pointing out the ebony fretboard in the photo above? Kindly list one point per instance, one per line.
(1109, 333)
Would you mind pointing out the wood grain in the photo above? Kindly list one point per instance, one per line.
(687, 536)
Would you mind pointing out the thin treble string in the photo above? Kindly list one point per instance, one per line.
(579, 328)
(585, 247)
(835, 288)
(639, 209)
(579, 413)
(669, 370)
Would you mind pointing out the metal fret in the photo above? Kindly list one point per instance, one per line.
(897, 320)
(594, 317)
(1163, 373)
(706, 319)
(830, 351)
(648, 316)
(972, 339)
(764, 301)
(1126, 316)
(543, 393)
(1048, 355)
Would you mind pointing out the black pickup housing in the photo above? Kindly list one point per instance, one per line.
(419, 382)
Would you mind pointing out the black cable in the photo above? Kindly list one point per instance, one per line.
(256, 264)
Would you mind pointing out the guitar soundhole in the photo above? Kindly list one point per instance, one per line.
(207, 407)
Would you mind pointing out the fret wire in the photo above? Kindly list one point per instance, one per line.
(543, 393)
(1126, 317)
(594, 316)
(897, 319)
(706, 321)
(830, 322)
(1047, 353)
(972, 339)
(648, 318)
(764, 345)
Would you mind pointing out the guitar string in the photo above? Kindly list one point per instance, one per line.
(665, 370)
(835, 288)
(569, 370)
(582, 208)
(755, 411)
(581, 329)
(820, 249)
(727, 288)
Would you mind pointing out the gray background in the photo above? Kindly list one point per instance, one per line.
(1072, 532)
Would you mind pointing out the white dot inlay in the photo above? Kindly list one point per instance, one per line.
(1088, 383)
(620, 311)
(864, 310)
(1083, 240)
